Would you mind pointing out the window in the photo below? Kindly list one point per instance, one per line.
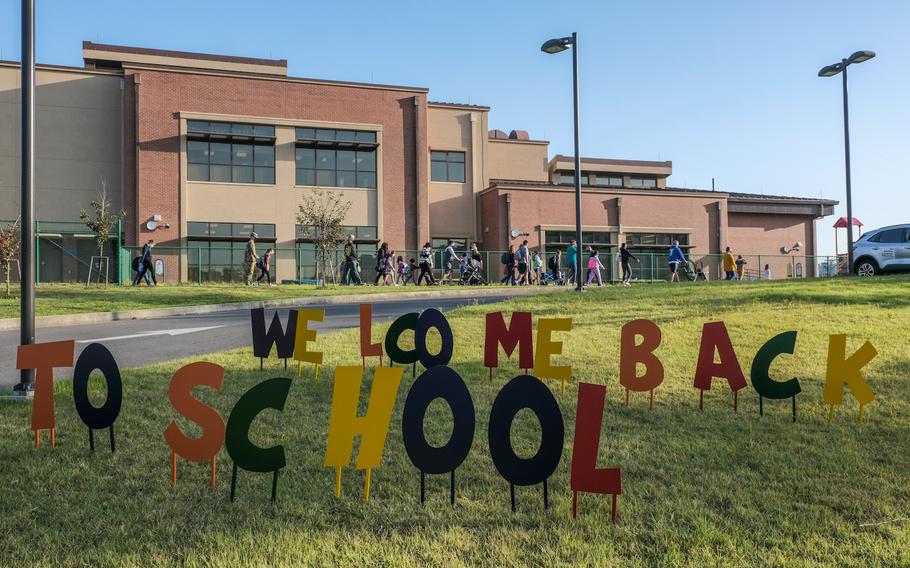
(231, 153)
(643, 182)
(657, 240)
(608, 180)
(447, 166)
(365, 244)
(561, 239)
(889, 236)
(336, 158)
(216, 250)
(568, 179)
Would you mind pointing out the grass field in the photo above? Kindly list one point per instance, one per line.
(700, 488)
(57, 299)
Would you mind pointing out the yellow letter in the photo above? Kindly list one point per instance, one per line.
(546, 348)
(372, 427)
(305, 335)
(842, 370)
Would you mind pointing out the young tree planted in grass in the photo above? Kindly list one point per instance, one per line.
(104, 218)
(322, 215)
(10, 239)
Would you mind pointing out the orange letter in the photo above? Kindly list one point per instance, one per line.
(44, 357)
(631, 354)
(367, 347)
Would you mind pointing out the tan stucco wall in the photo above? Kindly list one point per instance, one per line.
(520, 160)
(273, 204)
(453, 206)
(77, 141)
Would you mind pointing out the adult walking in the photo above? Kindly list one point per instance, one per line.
(426, 265)
(146, 266)
(676, 257)
(521, 258)
(625, 256)
(729, 264)
(350, 275)
(449, 260)
(381, 253)
(572, 261)
(264, 264)
(250, 257)
(554, 265)
(508, 266)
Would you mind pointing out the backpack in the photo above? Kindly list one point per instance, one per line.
(504, 258)
(137, 263)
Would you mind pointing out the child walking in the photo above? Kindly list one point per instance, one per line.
(264, 265)
(594, 268)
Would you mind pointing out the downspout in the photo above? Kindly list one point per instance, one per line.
(417, 154)
(136, 152)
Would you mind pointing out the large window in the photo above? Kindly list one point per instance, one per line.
(561, 239)
(336, 158)
(643, 182)
(216, 250)
(447, 166)
(232, 153)
(652, 250)
(608, 180)
(365, 243)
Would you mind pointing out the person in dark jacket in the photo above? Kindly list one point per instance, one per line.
(146, 266)
(381, 253)
(350, 274)
(624, 257)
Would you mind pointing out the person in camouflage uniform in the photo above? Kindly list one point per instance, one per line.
(250, 257)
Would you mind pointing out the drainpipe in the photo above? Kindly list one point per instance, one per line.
(418, 152)
(508, 221)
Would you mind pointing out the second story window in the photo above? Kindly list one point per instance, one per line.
(336, 158)
(447, 166)
(643, 182)
(567, 179)
(608, 180)
(231, 153)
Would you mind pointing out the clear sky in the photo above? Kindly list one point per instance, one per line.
(724, 89)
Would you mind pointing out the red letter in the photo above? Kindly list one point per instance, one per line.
(631, 354)
(44, 357)
(517, 334)
(585, 475)
(714, 336)
(367, 348)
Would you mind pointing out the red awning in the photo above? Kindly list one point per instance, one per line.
(842, 223)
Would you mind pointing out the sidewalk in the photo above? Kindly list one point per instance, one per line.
(7, 324)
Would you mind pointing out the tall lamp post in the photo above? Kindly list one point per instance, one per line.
(27, 187)
(831, 71)
(555, 46)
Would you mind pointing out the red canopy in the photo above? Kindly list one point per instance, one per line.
(842, 223)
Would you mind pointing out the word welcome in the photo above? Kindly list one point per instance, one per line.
(639, 340)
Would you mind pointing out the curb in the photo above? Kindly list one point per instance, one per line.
(7, 324)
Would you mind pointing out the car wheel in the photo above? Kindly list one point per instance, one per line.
(866, 267)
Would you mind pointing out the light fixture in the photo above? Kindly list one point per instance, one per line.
(556, 45)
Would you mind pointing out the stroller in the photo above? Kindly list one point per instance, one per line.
(470, 272)
(547, 278)
(689, 271)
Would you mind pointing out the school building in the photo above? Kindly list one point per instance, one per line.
(199, 150)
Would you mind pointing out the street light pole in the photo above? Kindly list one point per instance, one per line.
(830, 71)
(27, 189)
(555, 46)
(578, 259)
(847, 168)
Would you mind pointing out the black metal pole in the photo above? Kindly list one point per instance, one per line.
(847, 166)
(578, 259)
(27, 186)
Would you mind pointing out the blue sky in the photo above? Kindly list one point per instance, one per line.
(724, 89)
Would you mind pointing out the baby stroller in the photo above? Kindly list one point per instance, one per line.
(688, 270)
(547, 278)
(470, 272)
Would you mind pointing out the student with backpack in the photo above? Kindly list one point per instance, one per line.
(145, 265)
(508, 266)
(350, 274)
(264, 265)
(426, 265)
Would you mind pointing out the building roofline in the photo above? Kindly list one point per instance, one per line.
(183, 54)
(465, 106)
(66, 68)
(730, 195)
(614, 162)
(514, 141)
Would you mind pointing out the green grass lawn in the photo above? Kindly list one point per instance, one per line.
(56, 299)
(700, 488)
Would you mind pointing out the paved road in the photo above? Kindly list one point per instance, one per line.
(136, 343)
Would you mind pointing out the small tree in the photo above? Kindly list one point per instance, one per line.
(10, 239)
(103, 219)
(322, 215)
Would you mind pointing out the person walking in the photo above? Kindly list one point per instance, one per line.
(729, 264)
(264, 265)
(571, 261)
(521, 258)
(766, 274)
(426, 265)
(146, 266)
(625, 255)
(508, 266)
(594, 267)
(389, 278)
(250, 257)
(449, 260)
(381, 253)
(537, 263)
(676, 257)
(553, 266)
(740, 267)
(350, 275)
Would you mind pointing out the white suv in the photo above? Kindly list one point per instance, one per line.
(882, 250)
